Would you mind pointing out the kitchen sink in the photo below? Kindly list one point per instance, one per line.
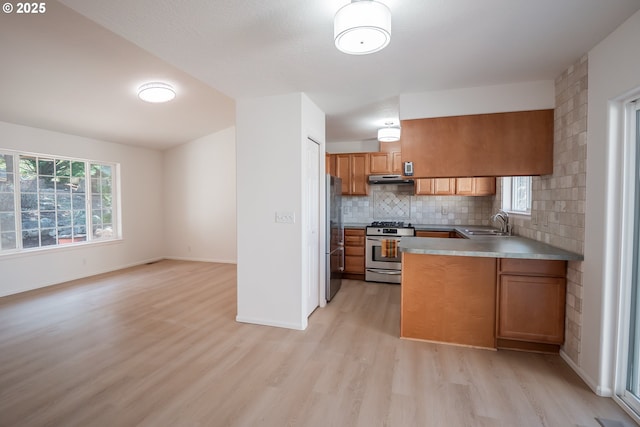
(484, 232)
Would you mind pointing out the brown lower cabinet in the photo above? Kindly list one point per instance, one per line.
(531, 304)
(438, 234)
(435, 233)
(448, 299)
(354, 253)
(484, 302)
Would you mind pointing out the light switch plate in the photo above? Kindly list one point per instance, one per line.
(286, 217)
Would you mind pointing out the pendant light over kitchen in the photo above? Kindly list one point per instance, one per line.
(389, 134)
(362, 27)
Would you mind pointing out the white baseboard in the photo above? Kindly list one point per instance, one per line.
(213, 260)
(597, 389)
(266, 322)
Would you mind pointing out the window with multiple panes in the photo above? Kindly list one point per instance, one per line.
(50, 201)
(516, 194)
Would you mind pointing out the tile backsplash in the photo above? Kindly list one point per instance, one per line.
(398, 203)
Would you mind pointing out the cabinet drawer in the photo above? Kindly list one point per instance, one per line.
(354, 251)
(532, 267)
(354, 264)
(354, 232)
(354, 240)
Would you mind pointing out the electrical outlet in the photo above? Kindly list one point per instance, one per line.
(285, 217)
(443, 210)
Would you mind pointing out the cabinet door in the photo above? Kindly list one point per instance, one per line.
(531, 308)
(444, 186)
(330, 164)
(464, 186)
(359, 172)
(475, 186)
(424, 186)
(343, 171)
(380, 163)
(396, 162)
(484, 186)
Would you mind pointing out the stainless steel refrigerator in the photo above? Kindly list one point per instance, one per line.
(335, 237)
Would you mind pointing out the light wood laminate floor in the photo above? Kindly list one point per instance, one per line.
(158, 345)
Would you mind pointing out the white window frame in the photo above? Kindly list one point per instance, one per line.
(507, 196)
(115, 233)
(627, 400)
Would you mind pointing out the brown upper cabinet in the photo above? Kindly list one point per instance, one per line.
(435, 186)
(330, 164)
(353, 169)
(483, 145)
(385, 163)
(455, 186)
(475, 186)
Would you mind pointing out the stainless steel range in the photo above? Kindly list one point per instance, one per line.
(383, 260)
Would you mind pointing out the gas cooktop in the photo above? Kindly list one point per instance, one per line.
(397, 224)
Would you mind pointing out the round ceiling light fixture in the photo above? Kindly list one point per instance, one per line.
(156, 92)
(389, 134)
(362, 27)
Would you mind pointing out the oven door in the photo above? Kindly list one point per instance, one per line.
(373, 252)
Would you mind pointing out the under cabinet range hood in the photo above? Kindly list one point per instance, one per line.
(389, 179)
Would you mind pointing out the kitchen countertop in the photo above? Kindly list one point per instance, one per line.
(355, 225)
(486, 246)
(478, 245)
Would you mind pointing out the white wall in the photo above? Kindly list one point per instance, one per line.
(353, 146)
(538, 95)
(269, 142)
(141, 180)
(200, 199)
(614, 70)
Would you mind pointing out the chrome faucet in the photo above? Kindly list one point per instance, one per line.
(504, 221)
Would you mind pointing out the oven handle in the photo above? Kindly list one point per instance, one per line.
(380, 239)
(388, 272)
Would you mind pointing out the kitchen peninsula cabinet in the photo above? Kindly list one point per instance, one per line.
(500, 144)
(448, 299)
(531, 304)
(354, 253)
(353, 169)
(446, 283)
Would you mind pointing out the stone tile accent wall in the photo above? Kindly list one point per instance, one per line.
(558, 208)
(397, 202)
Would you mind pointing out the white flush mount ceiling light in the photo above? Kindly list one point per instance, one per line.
(156, 92)
(362, 27)
(389, 134)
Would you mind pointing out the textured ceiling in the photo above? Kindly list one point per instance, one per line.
(248, 48)
(61, 71)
